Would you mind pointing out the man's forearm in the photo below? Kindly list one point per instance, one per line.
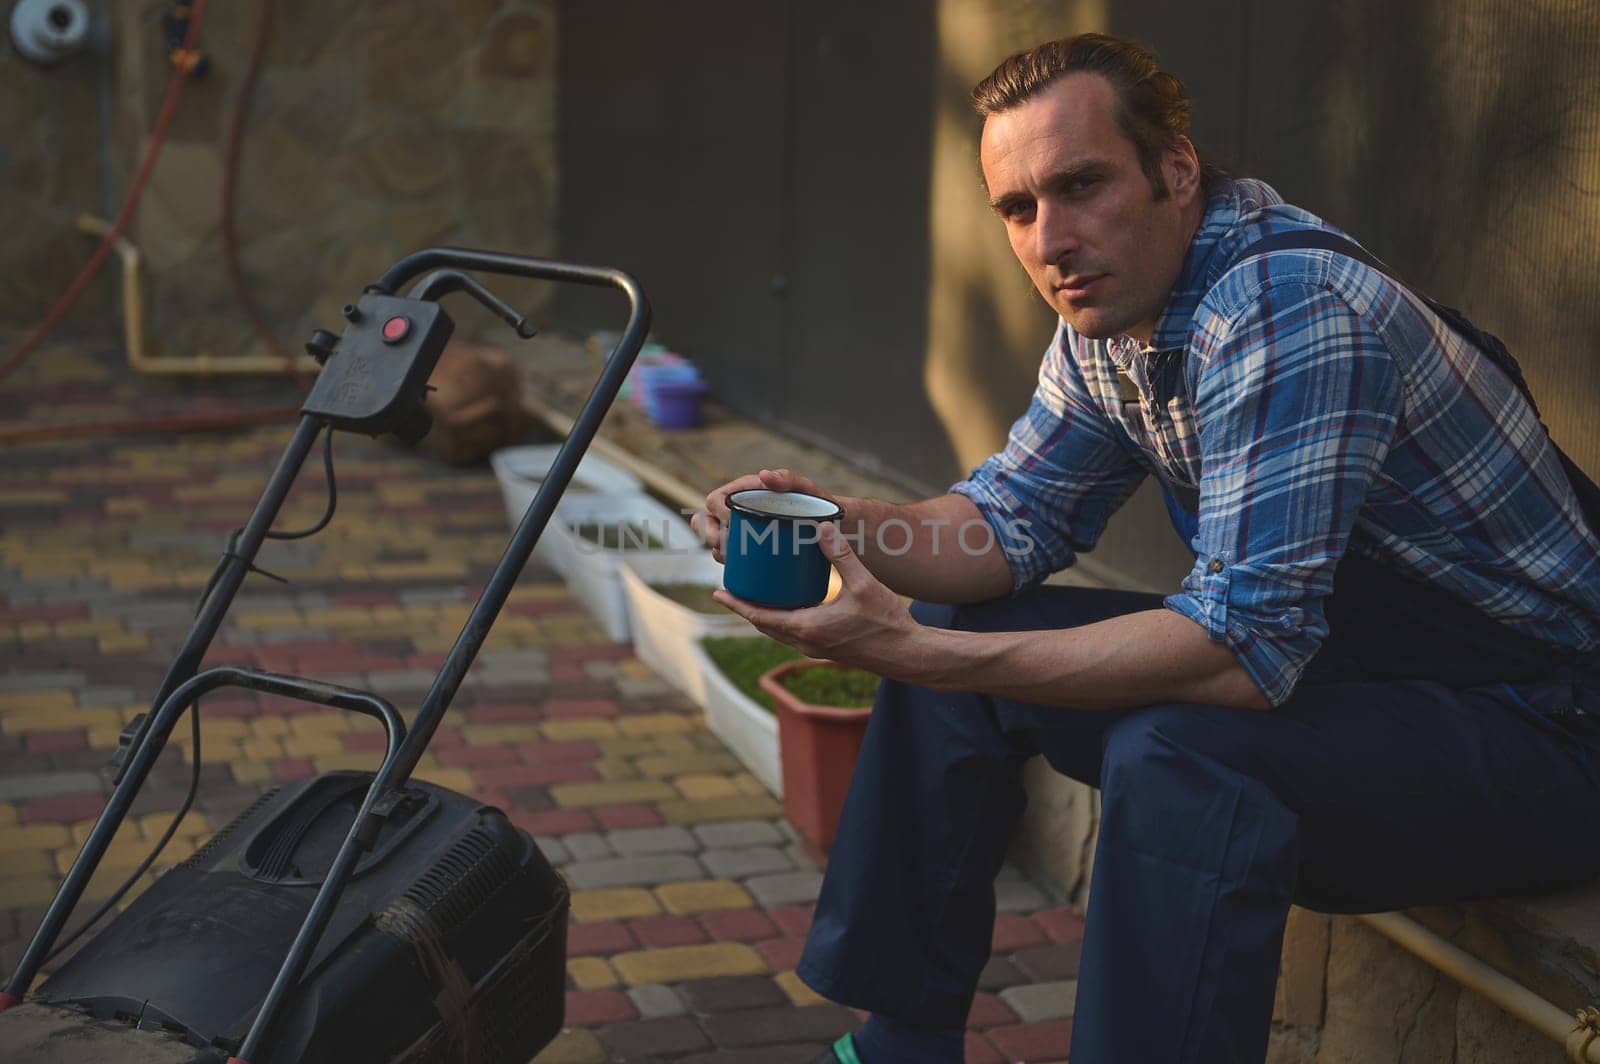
(938, 550)
(1139, 659)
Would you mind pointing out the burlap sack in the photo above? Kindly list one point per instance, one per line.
(476, 403)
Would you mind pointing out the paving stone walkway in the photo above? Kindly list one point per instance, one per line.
(691, 896)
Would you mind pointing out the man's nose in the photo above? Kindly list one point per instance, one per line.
(1055, 231)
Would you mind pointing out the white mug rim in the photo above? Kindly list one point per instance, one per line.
(828, 510)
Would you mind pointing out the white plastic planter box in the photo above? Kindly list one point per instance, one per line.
(521, 472)
(665, 633)
(740, 722)
(591, 569)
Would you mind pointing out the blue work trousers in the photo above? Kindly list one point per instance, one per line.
(1352, 796)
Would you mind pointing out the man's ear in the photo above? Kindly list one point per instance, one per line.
(1182, 165)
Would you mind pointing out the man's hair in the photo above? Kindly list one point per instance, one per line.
(1152, 105)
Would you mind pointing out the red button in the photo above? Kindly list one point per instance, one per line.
(396, 329)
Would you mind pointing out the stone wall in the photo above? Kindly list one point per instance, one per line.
(1347, 995)
(51, 167)
(374, 129)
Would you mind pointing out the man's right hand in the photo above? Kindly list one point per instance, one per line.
(712, 523)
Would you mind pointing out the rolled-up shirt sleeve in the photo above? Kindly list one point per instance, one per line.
(1298, 402)
(1063, 472)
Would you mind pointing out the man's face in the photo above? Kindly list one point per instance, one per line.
(1082, 217)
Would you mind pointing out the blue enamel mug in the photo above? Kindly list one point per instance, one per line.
(772, 556)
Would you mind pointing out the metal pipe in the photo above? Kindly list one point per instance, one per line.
(498, 588)
(1579, 1034)
(443, 282)
(203, 363)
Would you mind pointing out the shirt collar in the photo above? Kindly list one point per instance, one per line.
(1211, 252)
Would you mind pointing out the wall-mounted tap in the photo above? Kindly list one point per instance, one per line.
(48, 31)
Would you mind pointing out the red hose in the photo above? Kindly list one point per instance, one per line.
(184, 62)
(230, 180)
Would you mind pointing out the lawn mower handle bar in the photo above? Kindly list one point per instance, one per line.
(143, 756)
(498, 589)
(181, 685)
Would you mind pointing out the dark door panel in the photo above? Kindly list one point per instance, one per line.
(864, 74)
(673, 132)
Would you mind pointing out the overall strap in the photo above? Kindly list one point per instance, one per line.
(1492, 347)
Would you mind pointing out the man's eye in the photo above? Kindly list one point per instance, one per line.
(1016, 210)
(1081, 184)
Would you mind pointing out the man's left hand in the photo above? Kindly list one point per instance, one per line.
(866, 625)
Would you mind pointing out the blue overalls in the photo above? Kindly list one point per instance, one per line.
(1428, 756)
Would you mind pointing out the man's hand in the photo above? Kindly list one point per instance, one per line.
(712, 523)
(914, 548)
(867, 625)
(1137, 659)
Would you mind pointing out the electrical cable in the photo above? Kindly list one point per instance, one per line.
(333, 496)
(161, 844)
(194, 707)
(327, 516)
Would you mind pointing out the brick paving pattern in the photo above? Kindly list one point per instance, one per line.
(691, 895)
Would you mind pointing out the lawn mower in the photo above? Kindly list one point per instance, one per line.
(353, 916)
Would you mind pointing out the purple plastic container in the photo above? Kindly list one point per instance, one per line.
(663, 366)
(675, 404)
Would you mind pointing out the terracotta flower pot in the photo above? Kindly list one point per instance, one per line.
(818, 747)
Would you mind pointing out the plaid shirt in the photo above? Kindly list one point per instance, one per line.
(1317, 406)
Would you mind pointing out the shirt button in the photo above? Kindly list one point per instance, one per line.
(1216, 565)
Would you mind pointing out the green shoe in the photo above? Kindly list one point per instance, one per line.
(841, 1052)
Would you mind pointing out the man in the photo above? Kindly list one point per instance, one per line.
(1367, 694)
